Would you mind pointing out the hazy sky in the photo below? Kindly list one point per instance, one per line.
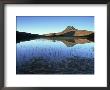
(49, 24)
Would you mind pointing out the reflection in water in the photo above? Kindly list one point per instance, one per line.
(55, 56)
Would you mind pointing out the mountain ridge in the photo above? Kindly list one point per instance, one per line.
(70, 31)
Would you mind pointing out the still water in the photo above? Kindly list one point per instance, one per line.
(48, 56)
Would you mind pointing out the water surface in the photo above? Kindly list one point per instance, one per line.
(55, 56)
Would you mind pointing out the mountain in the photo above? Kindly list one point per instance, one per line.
(71, 31)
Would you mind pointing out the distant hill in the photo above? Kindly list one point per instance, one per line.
(71, 31)
(23, 36)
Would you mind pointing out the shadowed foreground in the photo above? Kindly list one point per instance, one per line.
(69, 66)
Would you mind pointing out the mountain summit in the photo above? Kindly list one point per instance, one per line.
(70, 28)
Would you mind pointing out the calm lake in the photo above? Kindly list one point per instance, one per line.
(55, 56)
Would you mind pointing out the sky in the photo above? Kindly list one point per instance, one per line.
(53, 24)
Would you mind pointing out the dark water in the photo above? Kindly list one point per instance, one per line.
(55, 56)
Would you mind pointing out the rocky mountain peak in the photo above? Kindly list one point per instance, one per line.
(70, 28)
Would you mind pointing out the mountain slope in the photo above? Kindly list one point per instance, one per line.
(71, 31)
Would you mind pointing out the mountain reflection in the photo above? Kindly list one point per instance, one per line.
(68, 41)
